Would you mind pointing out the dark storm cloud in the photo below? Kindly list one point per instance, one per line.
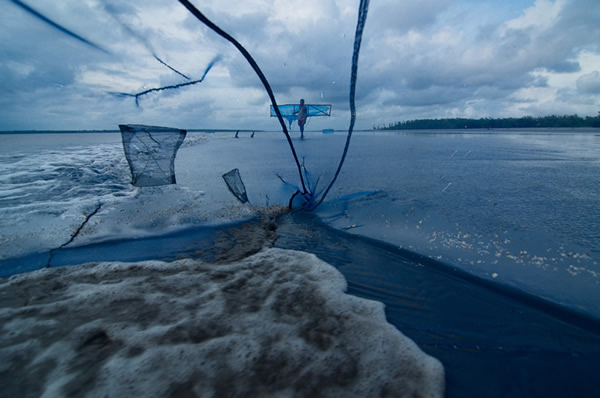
(564, 66)
(589, 84)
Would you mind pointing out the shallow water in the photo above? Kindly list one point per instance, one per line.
(486, 249)
(493, 341)
(518, 207)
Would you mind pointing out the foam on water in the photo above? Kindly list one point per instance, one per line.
(275, 324)
(45, 194)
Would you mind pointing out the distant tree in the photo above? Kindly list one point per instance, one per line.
(551, 121)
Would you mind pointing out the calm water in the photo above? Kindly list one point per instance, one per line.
(521, 208)
(517, 207)
(486, 244)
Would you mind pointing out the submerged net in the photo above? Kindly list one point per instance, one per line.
(150, 152)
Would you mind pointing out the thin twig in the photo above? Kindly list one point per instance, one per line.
(74, 234)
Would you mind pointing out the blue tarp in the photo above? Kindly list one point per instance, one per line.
(290, 111)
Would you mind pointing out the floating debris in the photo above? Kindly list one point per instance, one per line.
(150, 152)
(236, 186)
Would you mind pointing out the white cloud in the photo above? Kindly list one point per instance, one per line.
(542, 15)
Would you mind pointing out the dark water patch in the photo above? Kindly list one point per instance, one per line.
(214, 244)
(494, 340)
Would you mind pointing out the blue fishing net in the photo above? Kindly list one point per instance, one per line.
(150, 152)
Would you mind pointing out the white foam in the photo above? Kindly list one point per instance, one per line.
(274, 324)
(46, 196)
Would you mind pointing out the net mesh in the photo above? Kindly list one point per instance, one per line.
(236, 185)
(150, 152)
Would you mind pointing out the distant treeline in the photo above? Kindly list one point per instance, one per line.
(490, 123)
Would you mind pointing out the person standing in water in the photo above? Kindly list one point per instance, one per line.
(302, 114)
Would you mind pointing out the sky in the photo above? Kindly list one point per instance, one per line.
(419, 59)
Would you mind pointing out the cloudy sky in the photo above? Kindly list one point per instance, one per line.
(419, 59)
